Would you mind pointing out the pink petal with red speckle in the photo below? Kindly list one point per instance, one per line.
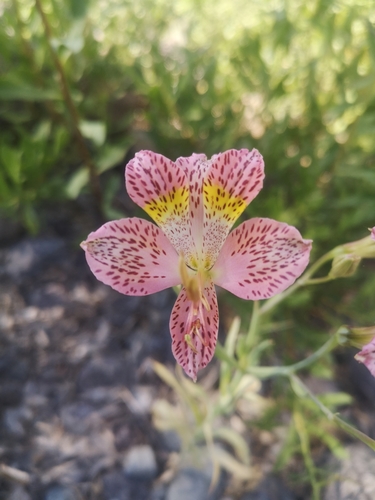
(195, 168)
(161, 188)
(133, 256)
(233, 180)
(367, 356)
(200, 325)
(373, 233)
(261, 258)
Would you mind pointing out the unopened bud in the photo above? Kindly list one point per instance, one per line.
(355, 337)
(344, 265)
(364, 248)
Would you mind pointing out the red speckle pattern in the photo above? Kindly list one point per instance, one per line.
(233, 180)
(161, 188)
(200, 324)
(195, 168)
(261, 258)
(133, 256)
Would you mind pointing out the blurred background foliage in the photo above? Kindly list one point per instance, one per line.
(294, 79)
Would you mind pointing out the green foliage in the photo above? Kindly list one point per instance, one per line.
(292, 79)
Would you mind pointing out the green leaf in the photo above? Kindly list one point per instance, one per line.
(331, 399)
(78, 8)
(11, 91)
(11, 159)
(77, 182)
(110, 156)
(93, 130)
(236, 441)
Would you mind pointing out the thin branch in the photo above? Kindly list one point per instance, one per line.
(64, 87)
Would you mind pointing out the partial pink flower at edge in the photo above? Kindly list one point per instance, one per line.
(373, 233)
(367, 356)
(195, 202)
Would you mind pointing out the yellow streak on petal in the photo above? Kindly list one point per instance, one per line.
(219, 202)
(174, 204)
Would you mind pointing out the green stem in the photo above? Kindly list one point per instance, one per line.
(304, 390)
(304, 280)
(272, 371)
(317, 281)
(83, 151)
(254, 322)
(301, 389)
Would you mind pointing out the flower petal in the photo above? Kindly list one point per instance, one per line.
(161, 188)
(133, 256)
(373, 233)
(194, 331)
(367, 356)
(261, 258)
(232, 181)
(195, 167)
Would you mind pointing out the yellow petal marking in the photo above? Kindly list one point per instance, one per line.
(169, 206)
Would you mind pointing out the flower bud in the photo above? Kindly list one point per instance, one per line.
(364, 248)
(355, 337)
(344, 265)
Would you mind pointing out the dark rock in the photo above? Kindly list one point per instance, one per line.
(271, 488)
(10, 394)
(29, 255)
(171, 441)
(191, 484)
(117, 487)
(60, 493)
(75, 417)
(140, 462)
(159, 492)
(14, 420)
(114, 370)
(19, 493)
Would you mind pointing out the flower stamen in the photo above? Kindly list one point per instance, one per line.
(189, 342)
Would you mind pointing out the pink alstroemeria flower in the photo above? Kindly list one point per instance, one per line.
(195, 202)
(373, 233)
(367, 356)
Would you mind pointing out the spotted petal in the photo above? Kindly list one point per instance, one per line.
(261, 258)
(233, 180)
(367, 356)
(161, 188)
(194, 331)
(195, 168)
(133, 256)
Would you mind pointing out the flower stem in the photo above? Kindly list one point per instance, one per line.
(272, 371)
(251, 337)
(302, 390)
